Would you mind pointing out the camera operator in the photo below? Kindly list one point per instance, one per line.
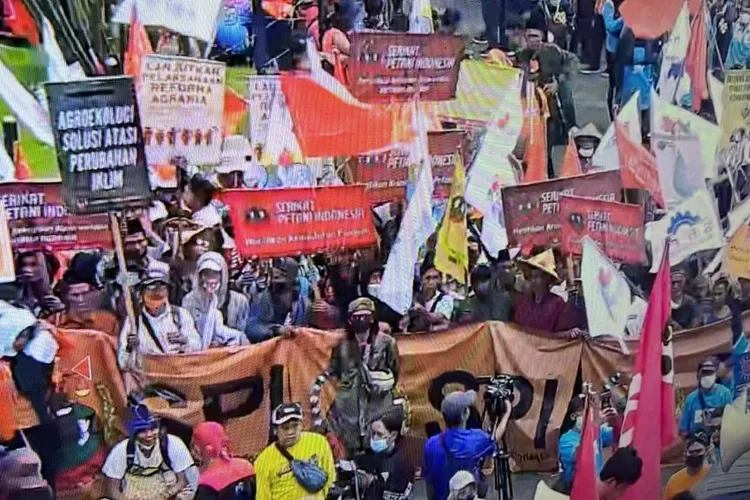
(459, 448)
(386, 473)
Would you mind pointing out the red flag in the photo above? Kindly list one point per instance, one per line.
(571, 165)
(20, 22)
(696, 60)
(585, 477)
(650, 19)
(328, 121)
(23, 171)
(138, 46)
(235, 109)
(649, 421)
(638, 168)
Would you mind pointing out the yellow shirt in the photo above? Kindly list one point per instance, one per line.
(682, 481)
(274, 473)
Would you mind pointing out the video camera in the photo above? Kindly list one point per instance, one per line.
(500, 389)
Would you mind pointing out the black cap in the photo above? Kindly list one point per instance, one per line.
(286, 412)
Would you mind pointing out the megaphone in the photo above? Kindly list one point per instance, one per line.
(735, 432)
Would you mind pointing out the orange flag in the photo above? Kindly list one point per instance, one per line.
(23, 171)
(696, 60)
(8, 424)
(535, 134)
(638, 168)
(339, 72)
(571, 162)
(20, 22)
(235, 109)
(138, 46)
(650, 19)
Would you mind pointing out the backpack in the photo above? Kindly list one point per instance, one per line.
(130, 453)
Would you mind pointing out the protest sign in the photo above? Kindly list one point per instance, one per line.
(264, 93)
(7, 269)
(691, 227)
(279, 222)
(194, 18)
(617, 228)
(532, 211)
(730, 154)
(182, 109)
(99, 145)
(738, 254)
(387, 67)
(385, 174)
(37, 218)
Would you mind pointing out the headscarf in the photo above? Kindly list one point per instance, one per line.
(212, 441)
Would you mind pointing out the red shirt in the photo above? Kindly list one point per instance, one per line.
(550, 315)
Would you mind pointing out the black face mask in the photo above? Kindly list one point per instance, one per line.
(694, 461)
(361, 325)
(278, 288)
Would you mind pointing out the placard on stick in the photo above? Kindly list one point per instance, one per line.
(99, 145)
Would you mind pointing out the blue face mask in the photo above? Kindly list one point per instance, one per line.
(378, 445)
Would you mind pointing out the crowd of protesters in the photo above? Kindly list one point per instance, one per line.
(193, 292)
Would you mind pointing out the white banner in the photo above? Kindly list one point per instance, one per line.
(181, 103)
(691, 227)
(263, 91)
(196, 18)
(606, 292)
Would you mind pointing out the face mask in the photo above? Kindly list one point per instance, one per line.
(373, 289)
(586, 152)
(378, 445)
(154, 303)
(708, 381)
(361, 324)
(694, 461)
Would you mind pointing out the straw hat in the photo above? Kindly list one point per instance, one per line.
(544, 261)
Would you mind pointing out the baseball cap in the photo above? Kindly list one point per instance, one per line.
(455, 403)
(708, 365)
(157, 272)
(286, 412)
(459, 481)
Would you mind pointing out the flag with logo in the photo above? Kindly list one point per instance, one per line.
(637, 166)
(674, 53)
(691, 227)
(452, 252)
(417, 226)
(606, 156)
(649, 420)
(585, 477)
(606, 292)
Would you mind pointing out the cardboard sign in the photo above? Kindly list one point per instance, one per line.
(738, 254)
(616, 228)
(390, 67)
(99, 145)
(37, 218)
(386, 174)
(279, 222)
(532, 211)
(182, 109)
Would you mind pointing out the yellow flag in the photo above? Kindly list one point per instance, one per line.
(452, 252)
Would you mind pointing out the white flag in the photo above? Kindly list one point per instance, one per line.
(716, 91)
(606, 156)
(420, 17)
(692, 226)
(671, 125)
(27, 110)
(606, 292)
(416, 227)
(673, 58)
(195, 18)
(57, 68)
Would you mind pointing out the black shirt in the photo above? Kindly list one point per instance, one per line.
(393, 476)
(242, 489)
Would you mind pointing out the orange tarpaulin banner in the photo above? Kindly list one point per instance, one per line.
(292, 221)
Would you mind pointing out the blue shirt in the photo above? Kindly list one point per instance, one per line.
(612, 26)
(696, 413)
(569, 443)
(467, 447)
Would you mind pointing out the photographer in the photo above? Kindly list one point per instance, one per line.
(386, 472)
(459, 448)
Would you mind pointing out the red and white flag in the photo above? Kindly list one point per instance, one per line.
(649, 421)
(585, 477)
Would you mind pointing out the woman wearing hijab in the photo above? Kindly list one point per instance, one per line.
(222, 477)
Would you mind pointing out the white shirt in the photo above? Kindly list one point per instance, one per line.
(444, 306)
(163, 325)
(116, 464)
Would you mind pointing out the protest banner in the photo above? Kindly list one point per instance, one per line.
(738, 254)
(733, 122)
(692, 226)
(616, 227)
(182, 108)
(7, 268)
(386, 174)
(38, 218)
(532, 211)
(264, 92)
(99, 145)
(280, 222)
(387, 67)
(196, 18)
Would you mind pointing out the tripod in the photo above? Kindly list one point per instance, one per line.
(500, 461)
